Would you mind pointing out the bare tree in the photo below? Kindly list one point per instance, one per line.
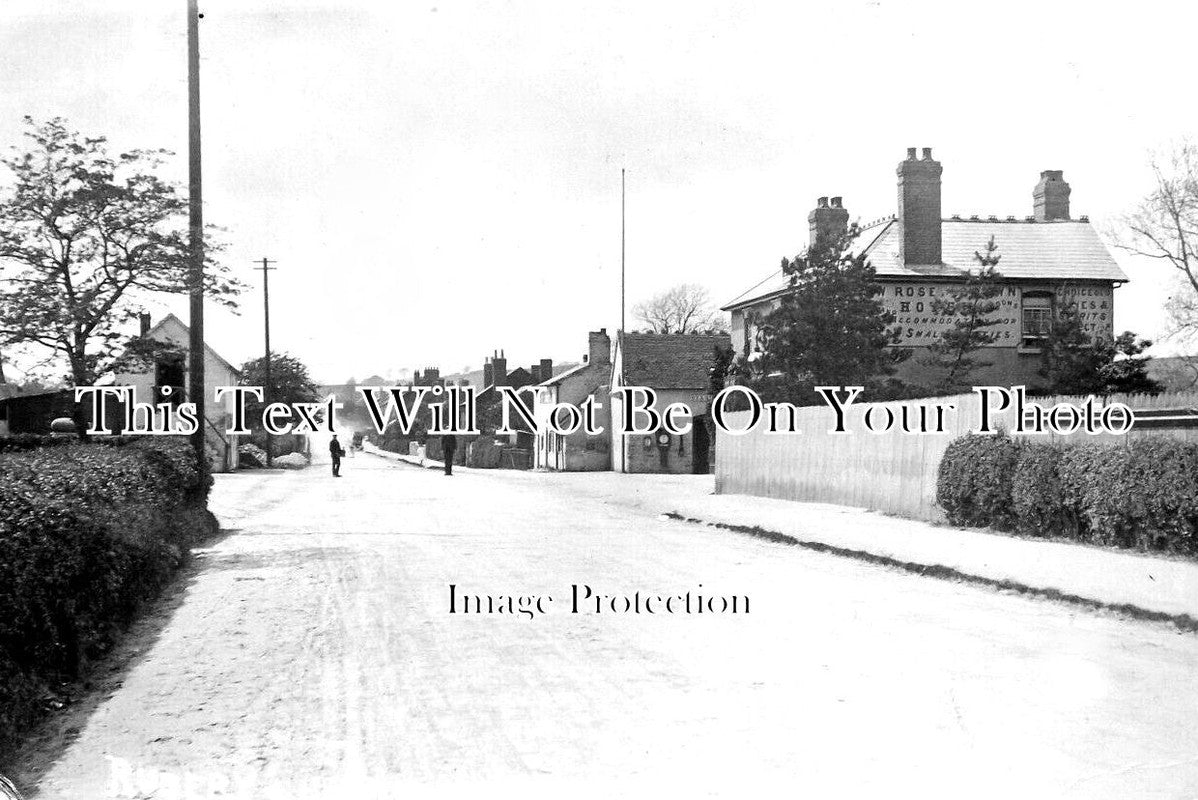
(1164, 226)
(686, 308)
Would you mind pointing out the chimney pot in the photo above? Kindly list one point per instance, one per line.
(598, 347)
(1050, 197)
(919, 209)
(827, 223)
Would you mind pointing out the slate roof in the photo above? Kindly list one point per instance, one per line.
(1058, 250)
(561, 376)
(670, 361)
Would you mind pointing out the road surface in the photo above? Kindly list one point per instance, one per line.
(312, 654)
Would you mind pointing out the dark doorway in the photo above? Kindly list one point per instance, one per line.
(701, 449)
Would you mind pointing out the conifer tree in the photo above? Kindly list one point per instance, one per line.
(971, 306)
(831, 328)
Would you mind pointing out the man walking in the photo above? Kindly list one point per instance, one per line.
(336, 452)
(449, 445)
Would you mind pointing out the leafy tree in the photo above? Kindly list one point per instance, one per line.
(971, 306)
(831, 328)
(85, 238)
(289, 383)
(1075, 363)
(686, 308)
(721, 367)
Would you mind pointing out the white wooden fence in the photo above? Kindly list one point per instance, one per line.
(891, 472)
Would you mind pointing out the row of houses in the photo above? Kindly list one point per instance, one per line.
(677, 367)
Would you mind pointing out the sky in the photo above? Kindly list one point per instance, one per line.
(439, 180)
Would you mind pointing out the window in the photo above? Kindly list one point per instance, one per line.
(1037, 318)
(169, 371)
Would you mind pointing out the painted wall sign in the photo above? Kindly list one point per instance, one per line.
(911, 304)
(1095, 306)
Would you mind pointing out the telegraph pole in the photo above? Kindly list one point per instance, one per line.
(266, 399)
(196, 224)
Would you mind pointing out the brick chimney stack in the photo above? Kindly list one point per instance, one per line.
(488, 374)
(499, 369)
(919, 208)
(546, 369)
(1050, 198)
(598, 347)
(828, 221)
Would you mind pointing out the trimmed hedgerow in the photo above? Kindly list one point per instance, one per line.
(974, 481)
(1143, 495)
(1036, 499)
(88, 532)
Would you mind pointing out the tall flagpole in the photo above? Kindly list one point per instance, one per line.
(196, 224)
(621, 249)
(620, 333)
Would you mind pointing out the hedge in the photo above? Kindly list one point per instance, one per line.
(88, 532)
(1143, 495)
(974, 481)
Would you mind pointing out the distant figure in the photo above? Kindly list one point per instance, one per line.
(336, 451)
(449, 445)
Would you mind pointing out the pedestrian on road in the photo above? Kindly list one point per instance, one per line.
(449, 445)
(336, 451)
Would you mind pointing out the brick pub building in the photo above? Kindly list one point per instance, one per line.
(1048, 261)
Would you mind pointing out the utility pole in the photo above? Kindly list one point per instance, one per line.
(621, 249)
(196, 221)
(266, 398)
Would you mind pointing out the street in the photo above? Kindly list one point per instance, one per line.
(313, 652)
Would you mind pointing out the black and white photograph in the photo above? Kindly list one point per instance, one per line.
(598, 400)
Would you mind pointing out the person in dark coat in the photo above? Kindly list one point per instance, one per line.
(336, 451)
(449, 445)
